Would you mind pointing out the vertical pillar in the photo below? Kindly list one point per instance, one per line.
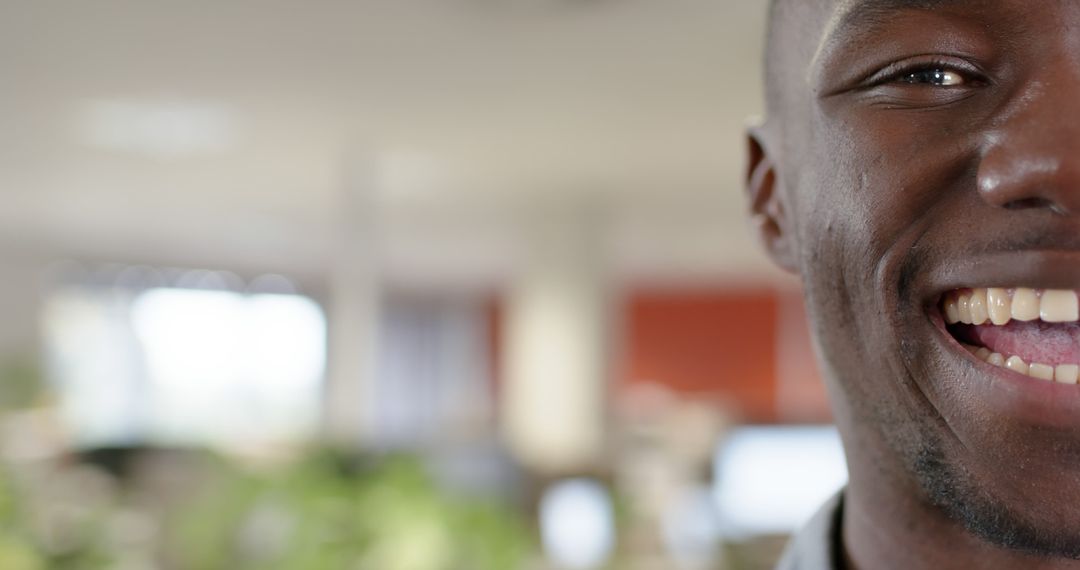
(353, 314)
(553, 404)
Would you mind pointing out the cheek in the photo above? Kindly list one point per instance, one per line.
(877, 184)
(901, 169)
(840, 293)
(869, 199)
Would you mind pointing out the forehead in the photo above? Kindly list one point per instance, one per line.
(816, 20)
(847, 17)
(855, 10)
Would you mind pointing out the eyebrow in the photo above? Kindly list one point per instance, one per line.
(861, 12)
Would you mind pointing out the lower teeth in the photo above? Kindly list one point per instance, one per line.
(1063, 373)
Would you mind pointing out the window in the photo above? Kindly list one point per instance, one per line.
(169, 365)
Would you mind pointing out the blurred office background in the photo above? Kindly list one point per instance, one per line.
(393, 285)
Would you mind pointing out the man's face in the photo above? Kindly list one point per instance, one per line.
(925, 151)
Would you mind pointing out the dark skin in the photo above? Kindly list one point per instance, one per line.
(910, 150)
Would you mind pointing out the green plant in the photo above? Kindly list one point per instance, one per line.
(16, 550)
(323, 514)
(20, 382)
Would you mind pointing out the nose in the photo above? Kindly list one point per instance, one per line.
(1033, 159)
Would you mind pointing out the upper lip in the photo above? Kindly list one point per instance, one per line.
(1038, 269)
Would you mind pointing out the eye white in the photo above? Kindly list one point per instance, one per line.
(947, 78)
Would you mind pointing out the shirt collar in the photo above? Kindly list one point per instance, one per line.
(817, 545)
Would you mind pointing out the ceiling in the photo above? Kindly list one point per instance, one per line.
(230, 133)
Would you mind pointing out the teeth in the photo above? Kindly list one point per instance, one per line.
(1057, 306)
(1041, 371)
(1063, 373)
(1067, 373)
(952, 311)
(1025, 304)
(963, 306)
(999, 305)
(977, 306)
(1017, 364)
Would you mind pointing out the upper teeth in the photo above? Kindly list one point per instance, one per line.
(999, 306)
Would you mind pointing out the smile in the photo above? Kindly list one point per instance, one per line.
(1029, 331)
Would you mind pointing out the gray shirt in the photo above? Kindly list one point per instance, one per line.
(817, 545)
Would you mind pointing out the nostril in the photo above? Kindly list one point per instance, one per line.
(1030, 203)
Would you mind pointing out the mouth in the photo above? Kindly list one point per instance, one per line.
(1032, 332)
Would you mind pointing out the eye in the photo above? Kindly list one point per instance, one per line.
(924, 82)
(935, 77)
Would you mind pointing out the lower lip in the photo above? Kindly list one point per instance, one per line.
(1028, 400)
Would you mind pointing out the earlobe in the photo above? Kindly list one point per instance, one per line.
(766, 205)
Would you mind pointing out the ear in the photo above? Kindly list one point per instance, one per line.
(766, 202)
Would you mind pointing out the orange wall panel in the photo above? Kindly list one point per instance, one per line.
(712, 344)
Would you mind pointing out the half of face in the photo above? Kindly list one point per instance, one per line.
(928, 176)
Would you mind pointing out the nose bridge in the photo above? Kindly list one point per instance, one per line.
(1033, 157)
